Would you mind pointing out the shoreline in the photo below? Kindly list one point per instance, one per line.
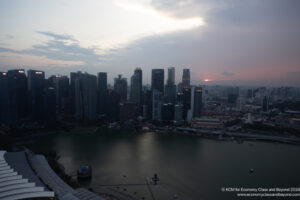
(208, 134)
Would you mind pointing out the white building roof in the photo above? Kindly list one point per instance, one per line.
(17, 180)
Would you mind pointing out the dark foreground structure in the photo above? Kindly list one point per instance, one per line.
(25, 175)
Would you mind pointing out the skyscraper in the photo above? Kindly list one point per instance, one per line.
(61, 84)
(186, 101)
(136, 88)
(170, 88)
(36, 81)
(156, 105)
(102, 92)
(120, 87)
(73, 77)
(186, 78)
(3, 98)
(265, 104)
(17, 96)
(197, 103)
(49, 106)
(157, 80)
(86, 97)
(171, 76)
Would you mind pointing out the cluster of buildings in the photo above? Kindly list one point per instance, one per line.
(88, 98)
(33, 97)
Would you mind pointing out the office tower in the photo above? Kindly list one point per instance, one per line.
(156, 105)
(197, 103)
(179, 87)
(171, 76)
(61, 84)
(102, 92)
(167, 112)
(36, 81)
(157, 80)
(186, 101)
(86, 97)
(113, 105)
(16, 96)
(233, 94)
(170, 88)
(170, 94)
(49, 106)
(136, 88)
(250, 93)
(73, 77)
(128, 111)
(50, 82)
(265, 104)
(147, 106)
(240, 103)
(178, 114)
(120, 87)
(186, 78)
(3, 98)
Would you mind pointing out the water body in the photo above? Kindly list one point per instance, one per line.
(190, 167)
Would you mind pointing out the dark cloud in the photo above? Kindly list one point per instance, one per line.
(293, 73)
(60, 48)
(227, 74)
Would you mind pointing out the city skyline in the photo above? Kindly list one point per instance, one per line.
(230, 43)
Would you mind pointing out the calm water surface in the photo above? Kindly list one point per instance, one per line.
(191, 167)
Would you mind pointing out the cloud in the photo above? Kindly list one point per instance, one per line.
(60, 47)
(59, 37)
(9, 36)
(227, 74)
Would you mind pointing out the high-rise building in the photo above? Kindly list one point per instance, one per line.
(128, 111)
(157, 80)
(136, 88)
(171, 76)
(86, 97)
(61, 84)
(16, 96)
(120, 87)
(186, 101)
(167, 112)
(102, 92)
(186, 78)
(147, 103)
(36, 82)
(49, 116)
(156, 105)
(178, 114)
(265, 104)
(170, 88)
(197, 103)
(170, 94)
(3, 98)
(113, 105)
(73, 77)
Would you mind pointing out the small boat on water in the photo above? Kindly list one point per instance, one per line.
(84, 172)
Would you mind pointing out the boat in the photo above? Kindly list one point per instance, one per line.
(251, 170)
(84, 172)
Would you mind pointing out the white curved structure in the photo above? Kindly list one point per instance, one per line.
(15, 181)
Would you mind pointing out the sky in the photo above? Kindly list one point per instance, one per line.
(231, 42)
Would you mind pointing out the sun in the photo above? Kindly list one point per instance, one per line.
(206, 80)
